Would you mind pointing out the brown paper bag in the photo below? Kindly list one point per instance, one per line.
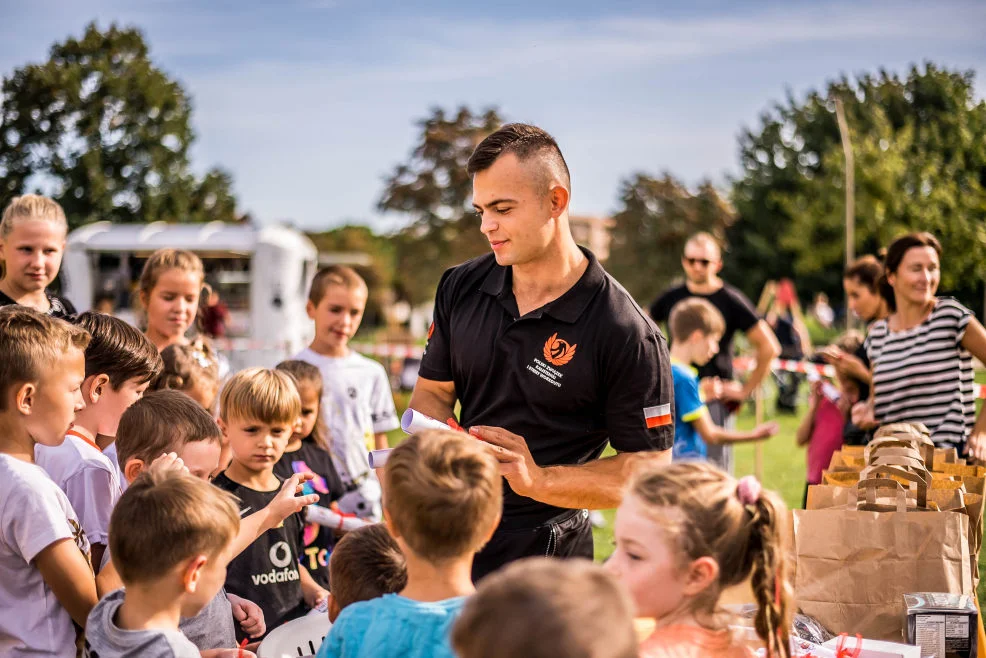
(853, 567)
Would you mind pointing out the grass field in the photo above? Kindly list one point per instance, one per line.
(784, 467)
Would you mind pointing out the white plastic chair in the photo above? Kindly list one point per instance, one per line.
(297, 638)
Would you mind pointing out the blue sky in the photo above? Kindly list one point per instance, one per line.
(310, 103)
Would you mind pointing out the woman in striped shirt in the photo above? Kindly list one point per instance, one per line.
(921, 354)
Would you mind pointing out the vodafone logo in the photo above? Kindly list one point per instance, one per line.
(280, 554)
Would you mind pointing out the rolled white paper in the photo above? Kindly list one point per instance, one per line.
(378, 458)
(414, 421)
(331, 519)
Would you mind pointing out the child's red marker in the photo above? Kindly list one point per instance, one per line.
(239, 651)
(451, 422)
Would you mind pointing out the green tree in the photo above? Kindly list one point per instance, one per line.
(657, 216)
(433, 188)
(920, 165)
(107, 134)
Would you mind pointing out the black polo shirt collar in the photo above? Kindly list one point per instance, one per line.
(567, 308)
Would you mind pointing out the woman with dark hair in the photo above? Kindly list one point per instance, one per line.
(868, 301)
(921, 354)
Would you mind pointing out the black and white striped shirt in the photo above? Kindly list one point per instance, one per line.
(923, 374)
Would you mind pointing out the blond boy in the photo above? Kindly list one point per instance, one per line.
(258, 411)
(357, 401)
(187, 526)
(47, 581)
(443, 500)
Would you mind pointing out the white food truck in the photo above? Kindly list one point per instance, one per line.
(261, 273)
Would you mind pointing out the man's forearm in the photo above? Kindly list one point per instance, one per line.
(598, 484)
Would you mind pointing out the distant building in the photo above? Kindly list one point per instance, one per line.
(592, 232)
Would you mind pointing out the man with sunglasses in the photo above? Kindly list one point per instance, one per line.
(702, 262)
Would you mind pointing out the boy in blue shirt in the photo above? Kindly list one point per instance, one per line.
(696, 327)
(442, 501)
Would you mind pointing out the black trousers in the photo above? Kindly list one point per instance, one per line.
(565, 536)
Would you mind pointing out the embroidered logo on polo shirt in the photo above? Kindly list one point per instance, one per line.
(558, 352)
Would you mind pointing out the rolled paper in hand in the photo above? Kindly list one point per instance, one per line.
(414, 421)
(331, 519)
(378, 458)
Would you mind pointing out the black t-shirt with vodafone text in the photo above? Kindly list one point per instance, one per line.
(585, 369)
(267, 571)
(736, 310)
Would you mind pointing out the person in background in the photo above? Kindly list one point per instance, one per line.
(105, 303)
(308, 451)
(684, 533)
(702, 262)
(366, 564)
(868, 300)
(551, 608)
(783, 315)
(215, 315)
(829, 407)
(822, 312)
(357, 402)
(696, 328)
(32, 241)
(169, 289)
(921, 354)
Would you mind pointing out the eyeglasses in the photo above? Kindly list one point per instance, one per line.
(704, 262)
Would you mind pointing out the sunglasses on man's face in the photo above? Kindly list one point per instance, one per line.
(704, 262)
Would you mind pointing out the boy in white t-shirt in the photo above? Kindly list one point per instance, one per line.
(357, 402)
(120, 362)
(47, 581)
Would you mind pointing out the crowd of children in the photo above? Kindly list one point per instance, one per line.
(151, 505)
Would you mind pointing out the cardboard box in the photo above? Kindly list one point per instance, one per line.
(944, 625)
(877, 648)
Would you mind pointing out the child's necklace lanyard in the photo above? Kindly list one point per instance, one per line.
(79, 435)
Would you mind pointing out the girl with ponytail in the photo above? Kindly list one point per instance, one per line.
(684, 533)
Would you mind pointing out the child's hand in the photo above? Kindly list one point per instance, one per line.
(816, 391)
(711, 388)
(863, 416)
(288, 501)
(248, 614)
(315, 596)
(228, 653)
(766, 430)
(167, 462)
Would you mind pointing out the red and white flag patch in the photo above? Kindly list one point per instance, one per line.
(657, 416)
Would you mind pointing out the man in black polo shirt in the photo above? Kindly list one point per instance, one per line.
(702, 261)
(548, 355)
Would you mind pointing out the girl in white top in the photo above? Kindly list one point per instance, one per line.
(921, 354)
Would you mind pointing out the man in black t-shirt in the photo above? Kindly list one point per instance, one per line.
(547, 354)
(702, 262)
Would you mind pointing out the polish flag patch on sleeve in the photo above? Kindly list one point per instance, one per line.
(657, 416)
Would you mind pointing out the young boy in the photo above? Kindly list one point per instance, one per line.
(696, 327)
(357, 402)
(366, 564)
(538, 608)
(258, 410)
(443, 501)
(120, 362)
(829, 410)
(187, 526)
(47, 582)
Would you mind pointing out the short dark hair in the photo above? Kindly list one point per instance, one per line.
(366, 563)
(161, 422)
(118, 350)
(577, 604)
(524, 141)
(695, 314)
(900, 246)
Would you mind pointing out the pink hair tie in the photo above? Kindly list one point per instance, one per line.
(748, 490)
